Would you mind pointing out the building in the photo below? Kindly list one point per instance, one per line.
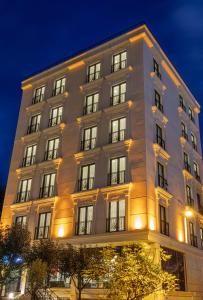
(107, 150)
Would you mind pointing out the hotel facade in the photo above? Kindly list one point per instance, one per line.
(107, 150)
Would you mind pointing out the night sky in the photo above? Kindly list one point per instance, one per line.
(36, 34)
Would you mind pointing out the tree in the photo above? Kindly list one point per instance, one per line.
(14, 248)
(78, 263)
(133, 274)
(37, 274)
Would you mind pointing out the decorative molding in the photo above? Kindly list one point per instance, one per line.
(170, 73)
(159, 151)
(93, 117)
(159, 116)
(90, 195)
(54, 129)
(89, 154)
(31, 137)
(119, 146)
(26, 87)
(76, 65)
(162, 194)
(119, 108)
(35, 107)
(187, 174)
(158, 82)
(116, 192)
(119, 74)
(141, 36)
(91, 85)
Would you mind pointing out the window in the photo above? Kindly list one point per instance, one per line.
(184, 131)
(86, 181)
(157, 101)
(59, 86)
(23, 194)
(190, 200)
(94, 72)
(159, 137)
(201, 237)
(162, 182)
(118, 130)
(21, 220)
(85, 217)
(91, 104)
(156, 68)
(194, 141)
(199, 203)
(48, 186)
(119, 61)
(52, 149)
(117, 170)
(196, 171)
(29, 155)
(116, 216)
(193, 237)
(55, 116)
(191, 114)
(118, 93)
(43, 228)
(182, 103)
(34, 124)
(38, 95)
(89, 138)
(164, 225)
(186, 162)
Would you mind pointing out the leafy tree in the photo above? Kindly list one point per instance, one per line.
(133, 274)
(78, 263)
(14, 248)
(37, 274)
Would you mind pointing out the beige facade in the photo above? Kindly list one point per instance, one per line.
(107, 150)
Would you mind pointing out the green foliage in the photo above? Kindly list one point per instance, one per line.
(36, 275)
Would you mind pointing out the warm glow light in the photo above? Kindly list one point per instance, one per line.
(188, 213)
(61, 231)
(186, 233)
(151, 224)
(138, 222)
(180, 236)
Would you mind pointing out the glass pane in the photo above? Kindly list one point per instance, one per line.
(122, 163)
(113, 209)
(114, 165)
(48, 219)
(114, 126)
(94, 132)
(122, 123)
(121, 208)
(89, 213)
(123, 55)
(123, 87)
(115, 90)
(42, 220)
(92, 171)
(82, 214)
(87, 134)
(84, 172)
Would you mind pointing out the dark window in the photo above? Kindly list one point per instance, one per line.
(23, 194)
(94, 72)
(196, 171)
(186, 162)
(29, 155)
(190, 200)
(119, 61)
(159, 137)
(118, 93)
(116, 216)
(21, 220)
(85, 217)
(38, 95)
(34, 124)
(52, 149)
(43, 229)
(117, 170)
(191, 114)
(59, 86)
(156, 68)
(55, 116)
(157, 101)
(162, 182)
(48, 186)
(184, 131)
(86, 181)
(193, 237)
(89, 138)
(164, 225)
(182, 103)
(194, 141)
(91, 104)
(118, 130)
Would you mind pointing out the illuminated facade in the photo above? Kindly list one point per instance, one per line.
(107, 150)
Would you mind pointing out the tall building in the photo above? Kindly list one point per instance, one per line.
(108, 150)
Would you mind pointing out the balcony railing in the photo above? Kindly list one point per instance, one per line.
(164, 227)
(119, 66)
(38, 98)
(159, 105)
(91, 108)
(85, 184)
(115, 224)
(117, 99)
(116, 178)
(162, 182)
(117, 136)
(55, 121)
(193, 240)
(88, 144)
(47, 191)
(51, 154)
(190, 201)
(160, 141)
(23, 196)
(93, 76)
(187, 166)
(42, 232)
(33, 128)
(184, 134)
(28, 161)
(58, 90)
(83, 228)
(197, 176)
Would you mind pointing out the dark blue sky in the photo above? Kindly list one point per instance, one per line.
(36, 34)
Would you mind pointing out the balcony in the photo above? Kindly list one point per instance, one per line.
(115, 224)
(85, 184)
(28, 161)
(47, 191)
(37, 99)
(54, 121)
(119, 66)
(23, 196)
(93, 76)
(42, 232)
(193, 240)
(51, 154)
(91, 108)
(164, 227)
(59, 90)
(88, 144)
(160, 141)
(117, 136)
(33, 128)
(117, 99)
(162, 182)
(116, 178)
(83, 228)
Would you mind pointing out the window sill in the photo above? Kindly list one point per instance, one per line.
(157, 81)
(57, 99)
(92, 84)
(159, 115)
(119, 74)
